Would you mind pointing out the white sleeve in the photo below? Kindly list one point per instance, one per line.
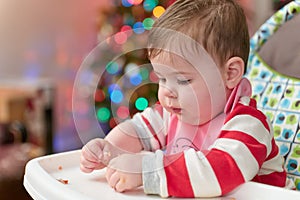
(151, 127)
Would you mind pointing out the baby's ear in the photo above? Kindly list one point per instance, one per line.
(234, 70)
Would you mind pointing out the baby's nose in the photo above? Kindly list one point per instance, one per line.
(170, 92)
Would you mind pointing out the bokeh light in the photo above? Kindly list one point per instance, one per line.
(127, 78)
(103, 114)
(135, 2)
(136, 79)
(149, 5)
(158, 11)
(153, 78)
(120, 37)
(129, 20)
(131, 69)
(113, 87)
(112, 67)
(144, 72)
(148, 23)
(138, 28)
(116, 96)
(99, 95)
(127, 29)
(112, 122)
(126, 3)
(123, 112)
(141, 103)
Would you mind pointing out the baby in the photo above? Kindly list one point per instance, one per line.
(205, 136)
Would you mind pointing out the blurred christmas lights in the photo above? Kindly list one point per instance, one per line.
(103, 114)
(158, 11)
(136, 79)
(141, 103)
(112, 68)
(123, 112)
(135, 2)
(138, 28)
(149, 5)
(116, 96)
(126, 3)
(148, 23)
(127, 81)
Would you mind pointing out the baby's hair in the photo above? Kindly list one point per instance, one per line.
(218, 25)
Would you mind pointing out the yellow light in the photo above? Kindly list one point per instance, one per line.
(158, 11)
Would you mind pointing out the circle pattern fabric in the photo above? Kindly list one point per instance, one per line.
(277, 95)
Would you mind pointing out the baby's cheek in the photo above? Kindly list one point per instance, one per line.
(188, 97)
(162, 99)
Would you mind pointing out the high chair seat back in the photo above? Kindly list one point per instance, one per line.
(274, 71)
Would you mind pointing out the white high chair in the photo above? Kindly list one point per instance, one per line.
(58, 176)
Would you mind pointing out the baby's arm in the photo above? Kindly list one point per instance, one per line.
(125, 172)
(245, 143)
(97, 153)
(125, 137)
(145, 132)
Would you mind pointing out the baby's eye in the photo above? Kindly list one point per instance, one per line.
(184, 81)
(161, 80)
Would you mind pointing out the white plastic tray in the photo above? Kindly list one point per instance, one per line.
(42, 175)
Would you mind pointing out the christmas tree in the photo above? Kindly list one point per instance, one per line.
(128, 84)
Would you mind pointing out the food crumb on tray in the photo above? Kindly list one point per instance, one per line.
(64, 181)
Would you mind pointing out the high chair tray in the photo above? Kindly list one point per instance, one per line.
(58, 177)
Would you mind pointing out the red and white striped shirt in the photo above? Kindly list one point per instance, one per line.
(212, 159)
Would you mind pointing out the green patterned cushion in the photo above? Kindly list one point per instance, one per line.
(278, 95)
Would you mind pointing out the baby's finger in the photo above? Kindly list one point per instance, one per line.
(109, 172)
(114, 179)
(91, 165)
(85, 169)
(121, 185)
(89, 168)
(89, 155)
(86, 166)
(100, 166)
(87, 163)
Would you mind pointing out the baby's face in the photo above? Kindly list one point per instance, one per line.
(194, 95)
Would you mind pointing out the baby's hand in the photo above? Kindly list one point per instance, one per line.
(125, 172)
(96, 154)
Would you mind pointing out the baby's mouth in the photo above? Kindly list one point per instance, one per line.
(176, 110)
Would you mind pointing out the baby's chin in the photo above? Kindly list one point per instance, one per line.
(189, 118)
(194, 121)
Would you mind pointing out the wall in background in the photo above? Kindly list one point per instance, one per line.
(49, 39)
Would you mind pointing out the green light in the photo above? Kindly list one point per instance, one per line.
(141, 103)
(112, 67)
(149, 5)
(103, 114)
(148, 23)
(144, 73)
